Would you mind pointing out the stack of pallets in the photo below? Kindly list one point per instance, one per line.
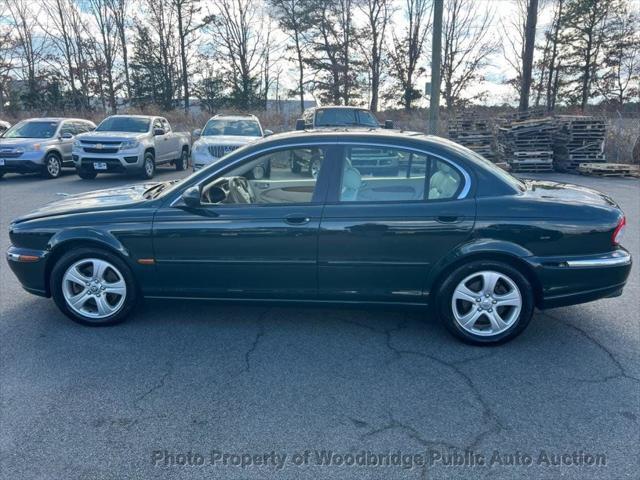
(578, 139)
(527, 145)
(473, 132)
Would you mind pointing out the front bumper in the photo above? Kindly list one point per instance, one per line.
(580, 279)
(29, 267)
(28, 162)
(119, 162)
(202, 159)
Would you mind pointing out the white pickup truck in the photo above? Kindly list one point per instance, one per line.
(130, 144)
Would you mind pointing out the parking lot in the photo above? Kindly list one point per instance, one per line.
(261, 385)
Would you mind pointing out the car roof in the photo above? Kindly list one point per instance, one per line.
(235, 116)
(149, 117)
(338, 107)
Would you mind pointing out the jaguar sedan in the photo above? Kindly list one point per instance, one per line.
(448, 230)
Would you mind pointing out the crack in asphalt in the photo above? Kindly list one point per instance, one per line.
(256, 341)
(622, 371)
(489, 416)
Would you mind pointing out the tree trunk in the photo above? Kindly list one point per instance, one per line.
(527, 58)
(183, 59)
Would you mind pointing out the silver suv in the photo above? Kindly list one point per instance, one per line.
(40, 145)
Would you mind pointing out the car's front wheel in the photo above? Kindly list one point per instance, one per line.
(93, 287)
(183, 162)
(485, 302)
(52, 166)
(86, 174)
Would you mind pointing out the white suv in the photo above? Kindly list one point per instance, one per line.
(223, 134)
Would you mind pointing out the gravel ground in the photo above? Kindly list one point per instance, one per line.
(189, 382)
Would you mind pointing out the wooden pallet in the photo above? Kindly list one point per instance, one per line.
(609, 169)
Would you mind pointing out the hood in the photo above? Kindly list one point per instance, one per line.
(109, 136)
(567, 193)
(20, 142)
(226, 140)
(91, 201)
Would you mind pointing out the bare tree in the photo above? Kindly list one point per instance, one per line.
(119, 11)
(294, 19)
(554, 63)
(467, 46)
(31, 50)
(378, 16)
(527, 53)
(7, 53)
(407, 49)
(107, 45)
(236, 30)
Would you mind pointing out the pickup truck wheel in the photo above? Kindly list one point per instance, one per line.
(148, 166)
(183, 162)
(93, 287)
(86, 174)
(485, 302)
(52, 166)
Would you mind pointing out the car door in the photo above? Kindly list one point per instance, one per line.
(161, 142)
(66, 144)
(380, 234)
(264, 249)
(173, 146)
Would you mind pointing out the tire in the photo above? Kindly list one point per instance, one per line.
(487, 321)
(83, 261)
(183, 162)
(86, 174)
(148, 166)
(52, 167)
(314, 167)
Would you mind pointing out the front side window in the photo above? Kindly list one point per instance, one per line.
(68, 127)
(124, 124)
(244, 128)
(32, 130)
(283, 177)
(388, 174)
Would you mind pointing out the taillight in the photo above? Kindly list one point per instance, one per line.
(618, 233)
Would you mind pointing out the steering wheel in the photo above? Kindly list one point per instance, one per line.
(240, 190)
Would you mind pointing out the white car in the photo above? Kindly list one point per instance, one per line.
(223, 134)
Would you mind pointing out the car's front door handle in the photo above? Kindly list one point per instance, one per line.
(296, 219)
(448, 219)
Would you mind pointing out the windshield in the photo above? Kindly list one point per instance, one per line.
(124, 124)
(333, 117)
(218, 126)
(32, 130)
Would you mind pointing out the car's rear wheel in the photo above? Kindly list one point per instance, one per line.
(183, 162)
(486, 302)
(93, 287)
(148, 166)
(52, 166)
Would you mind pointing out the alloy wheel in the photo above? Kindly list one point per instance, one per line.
(148, 167)
(94, 288)
(486, 303)
(53, 166)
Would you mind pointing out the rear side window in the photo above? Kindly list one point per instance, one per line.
(387, 174)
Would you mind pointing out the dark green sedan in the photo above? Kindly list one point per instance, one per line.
(448, 229)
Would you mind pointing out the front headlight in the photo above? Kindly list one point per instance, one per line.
(76, 144)
(129, 144)
(29, 148)
(201, 148)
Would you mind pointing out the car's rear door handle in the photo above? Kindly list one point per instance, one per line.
(448, 218)
(295, 219)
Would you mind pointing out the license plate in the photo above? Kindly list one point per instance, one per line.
(1, 161)
(99, 166)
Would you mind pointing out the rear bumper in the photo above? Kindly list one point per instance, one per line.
(29, 267)
(580, 279)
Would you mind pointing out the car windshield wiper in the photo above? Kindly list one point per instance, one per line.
(154, 191)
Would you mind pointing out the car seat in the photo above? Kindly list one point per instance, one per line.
(443, 183)
(351, 182)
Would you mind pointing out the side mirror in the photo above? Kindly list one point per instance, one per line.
(268, 132)
(191, 197)
(300, 124)
(158, 131)
(196, 133)
(66, 136)
(388, 124)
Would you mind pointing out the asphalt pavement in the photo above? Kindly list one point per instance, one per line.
(204, 390)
